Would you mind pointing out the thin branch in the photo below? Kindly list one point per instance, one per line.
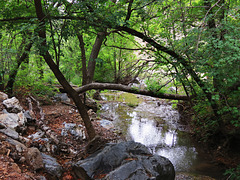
(144, 5)
(131, 49)
(129, 10)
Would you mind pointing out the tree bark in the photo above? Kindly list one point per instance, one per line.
(84, 60)
(62, 80)
(93, 56)
(120, 87)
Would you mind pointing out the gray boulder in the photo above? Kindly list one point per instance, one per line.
(52, 166)
(126, 160)
(14, 121)
(12, 105)
(10, 133)
(63, 97)
(10, 120)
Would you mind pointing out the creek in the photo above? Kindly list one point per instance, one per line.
(155, 123)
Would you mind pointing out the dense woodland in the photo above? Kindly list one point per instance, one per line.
(192, 45)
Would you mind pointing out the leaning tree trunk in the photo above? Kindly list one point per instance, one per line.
(180, 59)
(13, 73)
(93, 56)
(62, 80)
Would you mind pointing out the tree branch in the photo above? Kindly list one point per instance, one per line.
(129, 10)
(124, 88)
(46, 17)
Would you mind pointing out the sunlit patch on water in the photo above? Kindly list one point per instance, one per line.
(163, 141)
(155, 124)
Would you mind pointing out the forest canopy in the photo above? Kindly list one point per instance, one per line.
(193, 45)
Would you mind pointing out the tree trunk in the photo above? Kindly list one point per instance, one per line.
(180, 59)
(14, 72)
(62, 80)
(94, 54)
(84, 60)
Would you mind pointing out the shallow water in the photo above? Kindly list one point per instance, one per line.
(155, 124)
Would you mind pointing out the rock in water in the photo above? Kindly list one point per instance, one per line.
(126, 160)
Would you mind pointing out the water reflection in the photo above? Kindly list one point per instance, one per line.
(155, 125)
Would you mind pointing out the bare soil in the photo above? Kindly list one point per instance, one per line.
(56, 114)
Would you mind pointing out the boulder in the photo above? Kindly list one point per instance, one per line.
(30, 117)
(14, 121)
(12, 105)
(10, 120)
(63, 97)
(3, 96)
(126, 160)
(17, 149)
(52, 166)
(34, 158)
(10, 133)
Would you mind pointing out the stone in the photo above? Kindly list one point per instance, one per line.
(10, 120)
(22, 119)
(126, 160)
(52, 166)
(106, 124)
(14, 121)
(74, 129)
(12, 105)
(3, 96)
(20, 148)
(28, 116)
(63, 97)
(37, 135)
(10, 133)
(34, 158)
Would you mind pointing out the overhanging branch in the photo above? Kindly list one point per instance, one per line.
(120, 87)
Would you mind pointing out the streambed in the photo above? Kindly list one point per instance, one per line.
(155, 123)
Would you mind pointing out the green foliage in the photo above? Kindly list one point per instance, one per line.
(174, 104)
(233, 173)
(155, 86)
(183, 27)
(30, 78)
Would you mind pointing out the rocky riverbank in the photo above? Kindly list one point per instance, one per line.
(51, 143)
